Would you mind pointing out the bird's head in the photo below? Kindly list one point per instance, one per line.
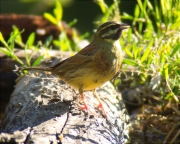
(110, 31)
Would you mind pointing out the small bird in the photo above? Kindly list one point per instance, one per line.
(94, 65)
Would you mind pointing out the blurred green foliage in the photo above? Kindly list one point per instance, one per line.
(153, 45)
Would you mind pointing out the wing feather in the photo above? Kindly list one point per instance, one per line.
(83, 57)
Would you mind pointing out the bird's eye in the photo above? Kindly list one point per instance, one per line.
(112, 27)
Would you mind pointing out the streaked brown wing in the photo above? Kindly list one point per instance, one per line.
(81, 58)
(89, 50)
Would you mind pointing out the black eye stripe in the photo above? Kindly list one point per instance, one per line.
(110, 28)
(114, 36)
(113, 27)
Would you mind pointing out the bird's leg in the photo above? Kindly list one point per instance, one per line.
(82, 107)
(100, 103)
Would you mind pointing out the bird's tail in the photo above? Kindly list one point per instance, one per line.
(37, 68)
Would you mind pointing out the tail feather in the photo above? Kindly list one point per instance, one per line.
(37, 68)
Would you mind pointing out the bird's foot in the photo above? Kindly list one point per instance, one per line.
(86, 109)
(100, 106)
(83, 107)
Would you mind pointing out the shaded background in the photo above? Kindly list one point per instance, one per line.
(85, 11)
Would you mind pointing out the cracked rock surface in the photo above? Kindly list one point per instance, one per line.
(44, 109)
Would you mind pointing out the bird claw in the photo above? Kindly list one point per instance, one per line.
(83, 107)
(100, 106)
(86, 109)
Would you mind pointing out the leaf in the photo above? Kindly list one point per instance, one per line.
(102, 5)
(175, 50)
(64, 42)
(127, 16)
(57, 43)
(157, 13)
(5, 51)
(72, 23)
(149, 5)
(38, 61)
(129, 35)
(136, 12)
(50, 18)
(16, 31)
(3, 41)
(143, 8)
(145, 55)
(48, 41)
(14, 35)
(166, 73)
(136, 53)
(150, 59)
(1, 37)
(128, 52)
(130, 62)
(58, 11)
(31, 39)
(175, 25)
(162, 58)
(147, 51)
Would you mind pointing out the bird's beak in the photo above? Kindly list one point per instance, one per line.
(124, 26)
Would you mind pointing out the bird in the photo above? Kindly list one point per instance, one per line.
(93, 65)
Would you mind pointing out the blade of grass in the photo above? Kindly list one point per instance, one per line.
(130, 62)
